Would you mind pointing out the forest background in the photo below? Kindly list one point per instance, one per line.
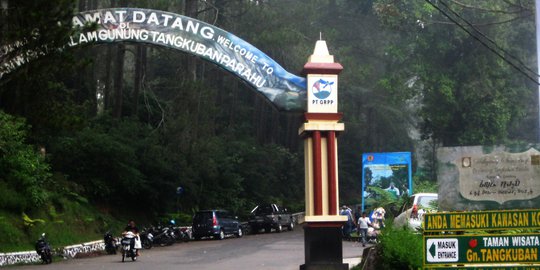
(97, 134)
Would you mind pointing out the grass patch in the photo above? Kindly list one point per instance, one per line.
(76, 222)
(12, 235)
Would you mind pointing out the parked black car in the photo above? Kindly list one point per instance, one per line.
(215, 223)
(270, 216)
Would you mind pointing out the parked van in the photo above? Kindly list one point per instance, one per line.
(216, 224)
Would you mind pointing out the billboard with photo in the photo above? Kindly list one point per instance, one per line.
(391, 172)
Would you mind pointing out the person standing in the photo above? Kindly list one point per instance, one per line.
(347, 227)
(363, 225)
(358, 213)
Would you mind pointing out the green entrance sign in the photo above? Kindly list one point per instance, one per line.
(481, 249)
(482, 220)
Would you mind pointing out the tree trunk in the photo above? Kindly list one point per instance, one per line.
(82, 5)
(107, 89)
(85, 5)
(118, 81)
(4, 5)
(191, 67)
(275, 126)
(140, 71)
(293, 121)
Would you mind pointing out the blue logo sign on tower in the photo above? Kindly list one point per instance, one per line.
(322, 89)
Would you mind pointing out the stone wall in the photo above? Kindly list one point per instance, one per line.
(488, 178)
(24, 257)
(70, 252)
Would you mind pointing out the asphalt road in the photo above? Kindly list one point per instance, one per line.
(262, 251)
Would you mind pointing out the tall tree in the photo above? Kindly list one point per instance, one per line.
(468, 94)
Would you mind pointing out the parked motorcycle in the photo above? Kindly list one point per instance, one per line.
(181, 234)
(147, 238)
(110, 243)
(43, 249)
(128, 246)
(163, 236)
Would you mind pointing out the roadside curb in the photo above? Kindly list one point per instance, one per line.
(353, 262)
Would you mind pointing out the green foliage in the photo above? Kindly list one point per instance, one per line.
(124, 164)
(10, 198)
(181, 219)
(466, 94)
(23, 171)
(31, 222)
(400, 248)
(383, 198)
(103, 162)
(421, 184)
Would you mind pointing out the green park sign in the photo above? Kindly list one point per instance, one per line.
(481, 249)
(492, 267)
(482, 220)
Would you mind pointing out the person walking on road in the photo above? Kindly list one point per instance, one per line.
(363, 225)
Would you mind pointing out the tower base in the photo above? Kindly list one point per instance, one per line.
(323, 246)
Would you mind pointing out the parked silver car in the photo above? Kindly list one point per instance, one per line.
(412, 211)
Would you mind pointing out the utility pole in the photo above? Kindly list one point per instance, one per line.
(537, 16)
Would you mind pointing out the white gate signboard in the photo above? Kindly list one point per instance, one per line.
(500, 177)
(488, 178)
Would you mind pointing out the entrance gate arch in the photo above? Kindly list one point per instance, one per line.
(285, 90)
(316, 96)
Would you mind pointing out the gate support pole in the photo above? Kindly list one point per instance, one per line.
(322, 232)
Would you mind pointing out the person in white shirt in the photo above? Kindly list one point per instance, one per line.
(363, 225)
(393, 190)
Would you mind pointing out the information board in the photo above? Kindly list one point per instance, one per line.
(391, 172)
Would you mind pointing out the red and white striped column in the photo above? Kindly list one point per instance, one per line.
(321, 175)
